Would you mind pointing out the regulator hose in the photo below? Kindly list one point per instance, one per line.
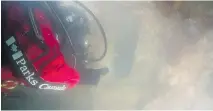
(99, 26)
(101, 29)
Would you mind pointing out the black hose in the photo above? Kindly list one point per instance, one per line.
(98, 23)
(102, 31)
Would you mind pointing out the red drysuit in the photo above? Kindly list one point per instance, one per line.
(54, 70)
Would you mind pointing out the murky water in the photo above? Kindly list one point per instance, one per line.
(161, 56)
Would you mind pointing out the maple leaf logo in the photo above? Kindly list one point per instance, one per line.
(14, 48)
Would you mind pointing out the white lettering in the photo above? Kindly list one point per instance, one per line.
(31, 79)
(26, 73)
(22, 61)
(24, 68)
(34, 82)
(47, 86)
